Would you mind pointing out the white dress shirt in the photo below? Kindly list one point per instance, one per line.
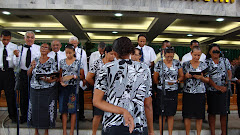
(10, 48)
(83, 61)
(35, 52)
(93, 57)
(149, 54)
(188, 57)
(61, 55)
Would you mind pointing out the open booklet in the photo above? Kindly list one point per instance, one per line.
(53, 75)
(198, 72)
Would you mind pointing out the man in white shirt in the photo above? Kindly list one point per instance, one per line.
(149, 55)
(188, 56)
(56, 54)
(26, 55)
(165, 44)
(97, 54)
(7, 78)
(80, 54)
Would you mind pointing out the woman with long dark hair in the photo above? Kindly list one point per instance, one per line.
(93, 73)
(219, 69)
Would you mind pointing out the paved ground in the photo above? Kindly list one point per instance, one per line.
(234, 124)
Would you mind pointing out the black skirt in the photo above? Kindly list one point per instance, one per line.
(42, 110)
(170, 103)
(97, 111)
(216, 101)
(193, 105)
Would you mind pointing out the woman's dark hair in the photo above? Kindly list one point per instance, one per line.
(123, 46)
(169, 50)
(140, 53)
(107, 49)
(209, 49)
(70, 46)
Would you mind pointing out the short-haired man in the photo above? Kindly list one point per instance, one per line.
(80, 54)
(7, 78)
(188, 56)
(56, 53)
(165, 44)
(97, 54)
(149, 54)
(26, 55)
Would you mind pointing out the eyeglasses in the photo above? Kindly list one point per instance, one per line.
(136, 54)
(216, 51)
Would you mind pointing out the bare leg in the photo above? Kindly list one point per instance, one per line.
(223, 119)
(95, 123)
(199, 126)
(46, 132)
(64, 123)
(73, 122)
(160, 123)
(170, 121)
(36, 131)
(211, 120)
(187, 123)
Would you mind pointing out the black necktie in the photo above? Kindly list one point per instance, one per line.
(142, 59)
(5, 62)
(28, 58)
(56, 60)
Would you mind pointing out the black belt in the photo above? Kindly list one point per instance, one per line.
(4, 70)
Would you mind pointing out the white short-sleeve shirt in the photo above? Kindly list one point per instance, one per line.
(188, 57)
(149, 54)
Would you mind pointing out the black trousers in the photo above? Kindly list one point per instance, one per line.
(123, 130)
(24, 85)
(81, 103)
(7, 83)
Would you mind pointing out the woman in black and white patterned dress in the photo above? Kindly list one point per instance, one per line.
(42, 109)
(69, 73)
(173, 74)
(216, 94)
(93, 73)
(127, 85)
(194, 91)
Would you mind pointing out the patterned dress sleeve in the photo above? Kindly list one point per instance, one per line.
(184, 67)
(54, 65)
(148, 83)
(178, 64)
(228, 64)
(157, 66)
(101, 82)
(92, 68)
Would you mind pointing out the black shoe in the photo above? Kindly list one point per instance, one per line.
(14, 121)
(205, 121)
(60, 117)
(23, 121)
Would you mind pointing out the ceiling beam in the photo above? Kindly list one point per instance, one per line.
(159, 26)
(71, 23)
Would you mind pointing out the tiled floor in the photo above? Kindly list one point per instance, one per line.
(85, 127)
